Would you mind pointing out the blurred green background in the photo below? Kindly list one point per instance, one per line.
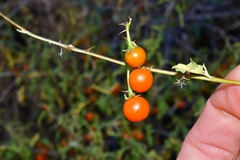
(71, 107)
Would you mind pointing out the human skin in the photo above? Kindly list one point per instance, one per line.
(216, 134)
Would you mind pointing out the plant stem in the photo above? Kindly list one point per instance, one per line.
(130, 91)
(130, 45)
(170, 73)
(214, 79)
(68, 47)
(129, 41)
(194, 76)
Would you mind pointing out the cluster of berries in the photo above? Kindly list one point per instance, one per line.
(137, 108)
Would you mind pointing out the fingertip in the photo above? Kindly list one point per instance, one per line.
(227, 96)
(216, 133)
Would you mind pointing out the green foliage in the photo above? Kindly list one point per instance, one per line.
(44, 97)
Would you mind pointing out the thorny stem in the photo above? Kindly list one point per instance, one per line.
(130, 44)
(68, 47)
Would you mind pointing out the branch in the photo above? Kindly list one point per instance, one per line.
(72, 48)
(68, 47)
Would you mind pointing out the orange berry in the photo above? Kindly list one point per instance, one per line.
(87, 137)
(93, 98)
(41, 157)
(138, 135)
(89, 116)
(89, 90)
(116, 89)
(63, 143)
(154, 111)
(181, 104)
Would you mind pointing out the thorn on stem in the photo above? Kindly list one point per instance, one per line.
(129, 19)
(124, 38)
(125, 23)
(181, 82)
(90, 48)
(122, 32)
(60, 53)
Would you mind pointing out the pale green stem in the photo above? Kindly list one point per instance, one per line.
(193, 76)
(69, 47)
(129, 41)
(72, 48)
(130, 91)
(214, 79)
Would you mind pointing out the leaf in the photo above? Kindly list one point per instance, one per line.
(21, 95)
(78, 109)
(192, 67)
(181, 68)
(34, 139)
